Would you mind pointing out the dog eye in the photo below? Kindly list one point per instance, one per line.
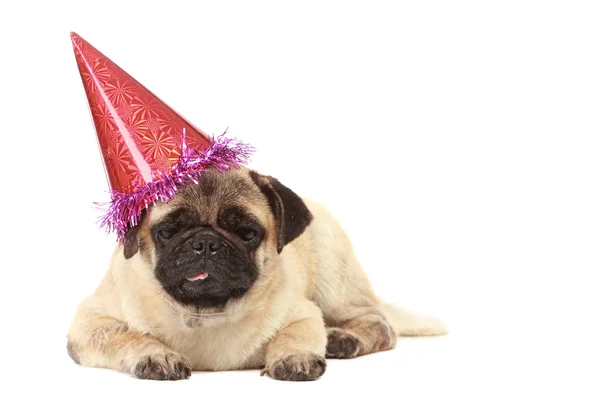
(246, 234)
(167, 233)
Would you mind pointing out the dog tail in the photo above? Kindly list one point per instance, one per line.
(407, 323)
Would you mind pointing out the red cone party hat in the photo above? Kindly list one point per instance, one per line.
(149, 150)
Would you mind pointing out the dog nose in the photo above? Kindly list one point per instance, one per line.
(214, 246)
(202, 244)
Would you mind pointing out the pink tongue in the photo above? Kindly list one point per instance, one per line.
(201, 275)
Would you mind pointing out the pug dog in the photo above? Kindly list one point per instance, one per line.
(235, 272)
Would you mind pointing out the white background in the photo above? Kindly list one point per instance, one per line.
(457, 142)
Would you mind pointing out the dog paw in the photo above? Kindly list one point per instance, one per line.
(341, 344)
(164, 366)
(297, 367)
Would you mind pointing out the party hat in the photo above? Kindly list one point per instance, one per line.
(148, 149)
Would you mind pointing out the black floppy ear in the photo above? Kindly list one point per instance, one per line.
(131, 244)
(291, 214)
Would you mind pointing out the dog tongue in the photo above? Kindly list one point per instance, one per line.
(201, 275)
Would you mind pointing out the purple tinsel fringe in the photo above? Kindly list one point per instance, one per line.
(125, 208)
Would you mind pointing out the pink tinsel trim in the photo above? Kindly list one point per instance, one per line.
(125, 208)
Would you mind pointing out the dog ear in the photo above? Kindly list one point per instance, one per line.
(131, 244)
(291, 214)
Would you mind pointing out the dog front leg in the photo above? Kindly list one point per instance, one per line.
(297, 351)
(103, 341)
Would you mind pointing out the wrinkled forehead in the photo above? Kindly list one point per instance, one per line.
(215, 192)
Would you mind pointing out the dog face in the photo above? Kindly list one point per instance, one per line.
(215, 239)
